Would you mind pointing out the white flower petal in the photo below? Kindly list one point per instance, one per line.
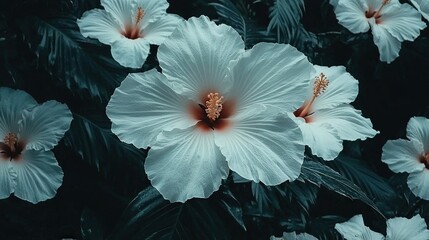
(158, 31)
(121, 10)
(38, 176)
(130, 52)
(404, 228)
(418, 129)
(153, 10)
(43, 126)
(342, 87)
(418, 182)
(143, 106)
(101, 25)
(347, 121)
(403, 155)
(402, 21)
(185, 164)
(322, 139)
(351, 14)
(262, 146)
(355, 229)
(423, 7)
(197, 54)
(388, 46)
(7, 179)
(12, 104)
(271, 74)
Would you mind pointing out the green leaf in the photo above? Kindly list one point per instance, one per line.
(374, 185)
(120, 163)
(90, 225)
(285, 19)
(322, 175)
(149, 216)
(66, 54)
(239, 16)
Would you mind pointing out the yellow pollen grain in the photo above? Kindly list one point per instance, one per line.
(214, 106)
(10, 140)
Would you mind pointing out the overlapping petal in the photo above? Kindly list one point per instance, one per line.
(423, 7)
(351, 14)
(44, 125)
(143, 106)
(347, 121)
(404, 228)
(7, 179)
(262, 146)
(154, 10)
(158, 31)
(130, 52)
(418, 182)
(403, 155)
(387, 44)
(402, 21)
(418, 129)
(184, 164)
(120, 10)
(12, 103)
(271, 74)
(101, 25)
(355, 229)
(38, 176)
(342, 88)
(197, 54)
(323, 140)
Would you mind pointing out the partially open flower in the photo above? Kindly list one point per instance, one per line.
(397, 228)
(326, 118)
(28, 132)
(214, 108)
(411, 155)
(390, 21)
(129, 26)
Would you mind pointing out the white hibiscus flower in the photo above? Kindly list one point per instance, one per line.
(422, 6)
(202, 118)
(412, 156)
(397, 228)
(390, 21)
(129, 26)
(28, 132)
(327, 118)
(294, 236)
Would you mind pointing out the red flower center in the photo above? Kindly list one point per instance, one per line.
(11, 148)
(133, 31)
(424, 158)
(214, 114)
(376, 13)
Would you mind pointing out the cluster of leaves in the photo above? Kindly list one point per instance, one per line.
(106, 194)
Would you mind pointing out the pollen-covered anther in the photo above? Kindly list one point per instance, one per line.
(139, 15)
(320, 85)
(11, 140)
(214, 106)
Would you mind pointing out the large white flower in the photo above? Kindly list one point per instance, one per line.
(423, 7)
(397, 229)
(28, 132)
(129, 26)
(202, 118)
(411, 155)
(327, 118)
(390, 21)
(294, 236)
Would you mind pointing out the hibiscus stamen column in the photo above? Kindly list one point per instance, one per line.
(11, 140)
(136, 29)
(320, 85)
(214, 106)
(376, 14)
